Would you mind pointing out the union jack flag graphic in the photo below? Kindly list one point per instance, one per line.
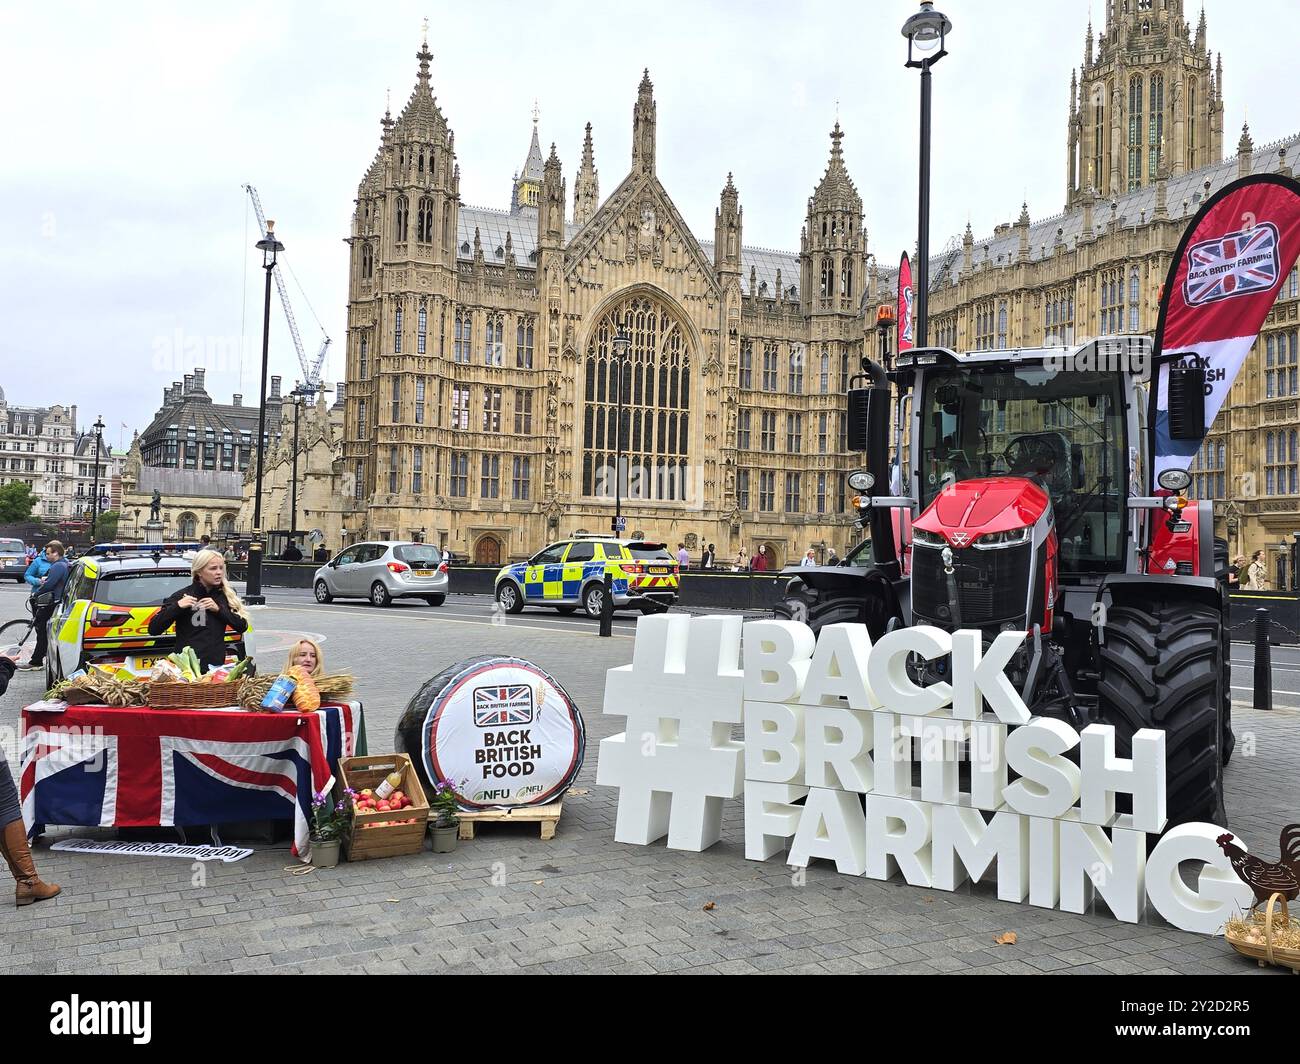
(104, 768)
(498, 706)
(1237, 264)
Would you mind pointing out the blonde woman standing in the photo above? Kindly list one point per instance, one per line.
(203, 611)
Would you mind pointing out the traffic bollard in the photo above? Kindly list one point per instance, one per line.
(1263, 662)
(607, 608)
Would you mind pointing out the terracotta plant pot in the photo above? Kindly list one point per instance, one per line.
(325, 854)
(445, 837)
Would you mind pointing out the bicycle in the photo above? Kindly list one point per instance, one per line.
(18, 637)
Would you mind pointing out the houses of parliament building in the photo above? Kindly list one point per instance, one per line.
(483, 388)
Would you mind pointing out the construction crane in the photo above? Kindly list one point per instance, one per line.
(311, 370)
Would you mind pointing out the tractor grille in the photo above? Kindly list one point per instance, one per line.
(993, 585)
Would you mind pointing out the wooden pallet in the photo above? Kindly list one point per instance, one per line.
(548, 816)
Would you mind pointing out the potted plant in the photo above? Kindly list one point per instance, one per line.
(446, 824)
(329, 820)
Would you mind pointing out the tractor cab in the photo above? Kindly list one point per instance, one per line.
(1014, 496)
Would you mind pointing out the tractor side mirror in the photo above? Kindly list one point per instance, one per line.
(1187, 400)
(1076, 465)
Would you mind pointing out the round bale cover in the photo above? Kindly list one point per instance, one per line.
(501, 730)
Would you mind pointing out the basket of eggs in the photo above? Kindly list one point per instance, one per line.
(1269, 937)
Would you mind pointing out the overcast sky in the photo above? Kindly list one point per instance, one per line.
(125, 237)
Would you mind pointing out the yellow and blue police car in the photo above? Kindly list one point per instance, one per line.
(570, 575)
(111, 595)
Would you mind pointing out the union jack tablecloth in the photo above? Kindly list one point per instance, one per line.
(98, 766)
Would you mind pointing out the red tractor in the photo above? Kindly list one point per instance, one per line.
(1017, 499)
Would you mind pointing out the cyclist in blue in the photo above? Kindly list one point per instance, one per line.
(49, 587)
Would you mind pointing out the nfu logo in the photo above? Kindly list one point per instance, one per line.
(109, 1018)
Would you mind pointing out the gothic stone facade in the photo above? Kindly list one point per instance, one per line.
(482, 385)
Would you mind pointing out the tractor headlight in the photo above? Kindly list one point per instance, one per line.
(1011, 538)
(1175, 479)
(922, 538)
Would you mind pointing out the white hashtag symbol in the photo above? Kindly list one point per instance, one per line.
(683, 692)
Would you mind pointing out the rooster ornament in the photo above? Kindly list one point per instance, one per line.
(1264, 877)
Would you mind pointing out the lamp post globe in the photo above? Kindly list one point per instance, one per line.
(621, 343)
(927, 33)
(270, 247)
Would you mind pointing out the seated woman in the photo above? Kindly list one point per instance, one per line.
(203, 611)
(306, 653)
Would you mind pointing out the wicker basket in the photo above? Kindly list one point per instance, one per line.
(193, 695)
(1269, 952)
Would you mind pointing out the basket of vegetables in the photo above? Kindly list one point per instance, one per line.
(179, 682)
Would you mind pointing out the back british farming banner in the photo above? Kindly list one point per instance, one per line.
(1223, 281)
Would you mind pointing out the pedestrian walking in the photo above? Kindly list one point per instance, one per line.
(1257, 574)
(203, 611)
(13, 832)
(710, 558)
(683, 556)
(1236, 571)
(742, 562)
(832, 558)
(291, 552)
(809, 558)
(759, 562)
(48, 576)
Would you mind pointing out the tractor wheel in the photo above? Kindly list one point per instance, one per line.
(819, 607)
(1161, 668)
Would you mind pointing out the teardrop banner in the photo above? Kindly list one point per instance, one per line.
(1222, 282)
(905, 297)
(501, 730)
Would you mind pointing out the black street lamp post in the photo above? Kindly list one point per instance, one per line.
(269, 246)
(926, 32)
(300, 392)
(94, 501)
(621, 343)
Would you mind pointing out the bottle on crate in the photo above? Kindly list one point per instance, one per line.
(388, 784)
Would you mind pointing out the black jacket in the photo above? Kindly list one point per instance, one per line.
(6, 674)
(209, 639)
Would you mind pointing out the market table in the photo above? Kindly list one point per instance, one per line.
(104, 766)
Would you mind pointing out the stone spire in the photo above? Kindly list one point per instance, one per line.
(550, 223)
(1200, 33)
(1022, 223)
(424, 56)
(967, 250)
(727, 222)
(836, 188)
(528, 183)
(1087, 46)
(643, 127)
(1245, 150)
(586, 186)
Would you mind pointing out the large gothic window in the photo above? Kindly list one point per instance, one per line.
(403, 216)
(656, 395)
(1135, 132)
(1156, 124)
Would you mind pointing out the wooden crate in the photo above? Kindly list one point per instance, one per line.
(391, 840)
(548, 816)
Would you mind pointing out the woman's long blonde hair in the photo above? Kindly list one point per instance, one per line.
(319, 670)
(202, 560)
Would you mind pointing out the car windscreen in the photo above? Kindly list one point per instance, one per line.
(140, 589)
(419, 555)
(12, 546)
(642, 554)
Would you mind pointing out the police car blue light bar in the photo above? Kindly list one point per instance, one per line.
(143, 548)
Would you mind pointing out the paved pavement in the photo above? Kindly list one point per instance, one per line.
(508, 902)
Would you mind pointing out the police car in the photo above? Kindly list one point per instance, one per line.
(570, 575)
(111, 595)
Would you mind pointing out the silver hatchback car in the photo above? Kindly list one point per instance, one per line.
(382, 572)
